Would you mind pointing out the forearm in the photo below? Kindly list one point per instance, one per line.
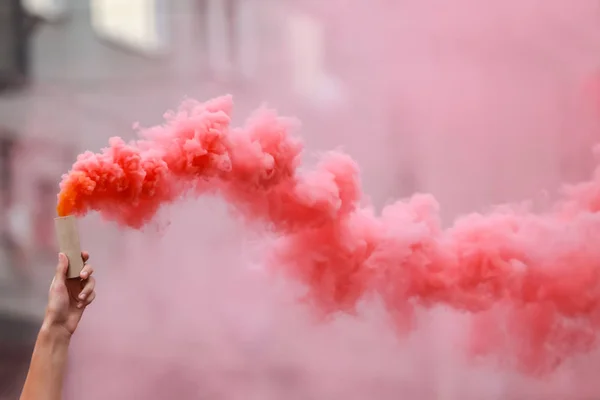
(48, 364)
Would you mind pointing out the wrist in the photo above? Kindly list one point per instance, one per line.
(53, 333)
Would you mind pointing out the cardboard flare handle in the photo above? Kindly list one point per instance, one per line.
(68, 243)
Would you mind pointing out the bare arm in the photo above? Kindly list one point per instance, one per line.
(48, 365)
(66, 302)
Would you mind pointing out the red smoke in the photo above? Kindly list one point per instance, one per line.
(541, 271)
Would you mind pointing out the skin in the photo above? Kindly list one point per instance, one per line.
(67, 301)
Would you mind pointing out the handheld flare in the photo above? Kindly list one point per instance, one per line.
(68, 243)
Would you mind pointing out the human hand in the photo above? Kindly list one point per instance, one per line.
(68, 298)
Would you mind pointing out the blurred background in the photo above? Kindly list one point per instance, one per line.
(479, 103)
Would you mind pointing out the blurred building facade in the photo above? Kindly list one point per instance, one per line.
(76, 72)
(81, 71)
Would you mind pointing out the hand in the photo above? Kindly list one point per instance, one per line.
(68, 298)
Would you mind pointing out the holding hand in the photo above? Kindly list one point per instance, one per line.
(68, 298)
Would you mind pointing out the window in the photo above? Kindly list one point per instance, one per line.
(13, 44)
(310, 77)
(6, 147)
(306, 44)
(43, 216)
(7, 248)
(139, 25)
(230, 29)
(48, 10)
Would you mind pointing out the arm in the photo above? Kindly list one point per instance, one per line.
(67, 300)
(48, 365)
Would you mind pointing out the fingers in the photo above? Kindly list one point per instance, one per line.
(61, 269)
(87, 301)
(87, 294)
(86, 272)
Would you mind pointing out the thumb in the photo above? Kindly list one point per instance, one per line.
(61, 268)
